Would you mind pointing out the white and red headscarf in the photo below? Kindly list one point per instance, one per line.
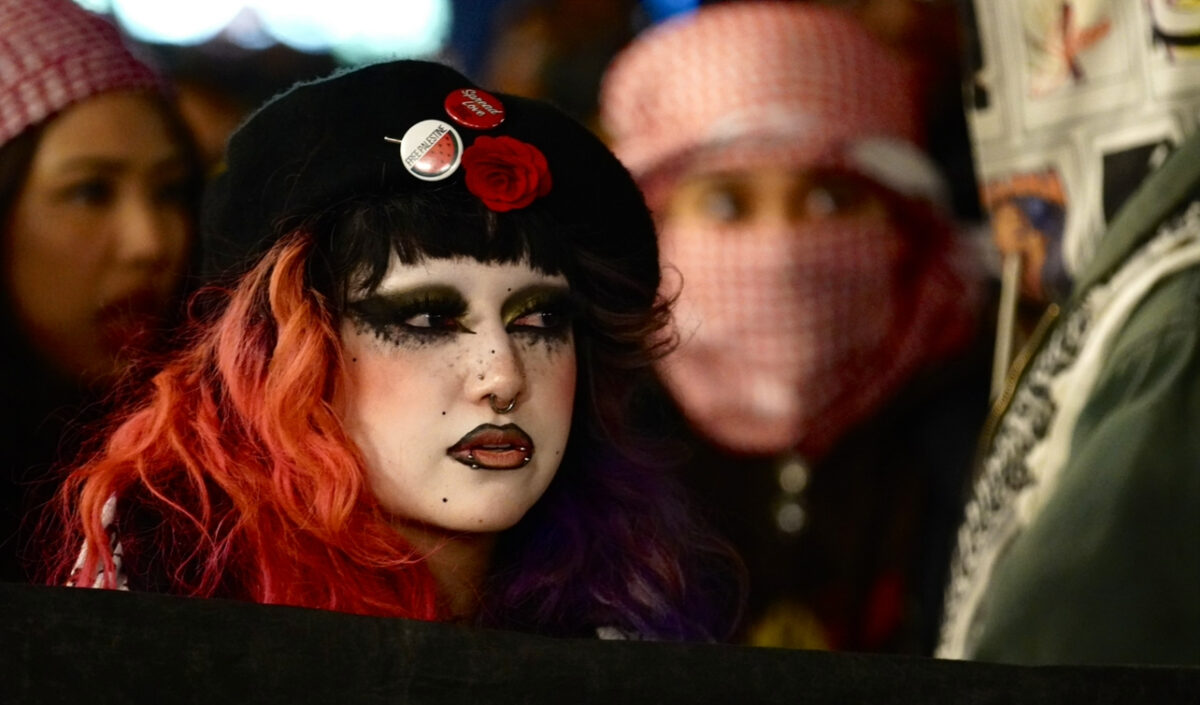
(790, 337)
(54, 54)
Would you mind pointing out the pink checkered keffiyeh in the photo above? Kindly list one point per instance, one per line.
(737, 70)
(790, 336)
(54, 54)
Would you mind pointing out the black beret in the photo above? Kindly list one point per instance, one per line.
(323, 142)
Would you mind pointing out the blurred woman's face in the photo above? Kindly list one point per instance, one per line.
(98, 236)
(459, 389)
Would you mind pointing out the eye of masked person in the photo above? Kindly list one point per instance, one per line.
(772, 196)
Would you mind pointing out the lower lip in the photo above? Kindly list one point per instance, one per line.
(131, 323)
(128, 332)
(483, 458)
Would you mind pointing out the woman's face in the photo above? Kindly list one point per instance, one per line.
(98, 236)
(433, 357)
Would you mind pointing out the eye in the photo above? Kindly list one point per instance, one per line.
(411, 319)
(820, 203)
(89, 192)
(433, 321)
(538, 319)
(173, 192)
(723, 204)
(834, 196)
(545, 314)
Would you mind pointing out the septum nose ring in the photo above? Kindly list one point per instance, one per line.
(498, 409)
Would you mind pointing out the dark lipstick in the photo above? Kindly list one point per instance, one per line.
(491, 447)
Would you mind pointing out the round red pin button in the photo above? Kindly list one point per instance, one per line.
(474, 108)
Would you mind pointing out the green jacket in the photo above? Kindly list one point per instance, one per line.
(1103, 565)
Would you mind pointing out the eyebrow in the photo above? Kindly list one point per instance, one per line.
(115, 165)
(525, 294)
(716, 175)
(512, 301)
(418, 291)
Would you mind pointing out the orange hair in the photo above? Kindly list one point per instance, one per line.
(255, 491)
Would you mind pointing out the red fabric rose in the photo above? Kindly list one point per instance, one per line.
(505, 173)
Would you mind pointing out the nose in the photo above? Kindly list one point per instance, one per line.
(778, 198)
(498, 375)
(149, 235)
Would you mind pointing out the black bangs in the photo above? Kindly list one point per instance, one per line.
(361, 235)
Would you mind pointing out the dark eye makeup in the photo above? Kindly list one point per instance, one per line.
(432, 314)
(414, 317)
(540, 312)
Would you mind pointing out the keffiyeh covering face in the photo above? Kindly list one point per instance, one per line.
(775, 322)
(790, 334)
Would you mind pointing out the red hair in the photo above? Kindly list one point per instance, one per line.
(255, 489)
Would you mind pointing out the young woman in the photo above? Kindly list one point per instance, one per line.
(408, 397)
(97, 205)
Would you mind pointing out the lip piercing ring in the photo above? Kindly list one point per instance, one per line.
(501, 410)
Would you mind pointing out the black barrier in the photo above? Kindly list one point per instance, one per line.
(62, 645)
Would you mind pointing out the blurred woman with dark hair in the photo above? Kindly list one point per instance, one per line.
(98, 185)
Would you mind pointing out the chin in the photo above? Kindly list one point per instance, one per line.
(767, 437)
(473, 518)
(102, 371)
(490, 524)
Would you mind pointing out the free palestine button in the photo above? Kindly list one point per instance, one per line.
(431, 150)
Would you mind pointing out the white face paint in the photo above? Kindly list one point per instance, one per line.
(433, 358)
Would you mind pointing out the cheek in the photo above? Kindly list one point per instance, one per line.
(565, 381)
(48, 228)
(555, 373)
(50, 247)
(386, 393)
(52, 271)
(179, 235)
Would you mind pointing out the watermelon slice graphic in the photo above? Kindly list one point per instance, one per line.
(441, 157)
(431, 149)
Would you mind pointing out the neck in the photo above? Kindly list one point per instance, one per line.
(459, 564)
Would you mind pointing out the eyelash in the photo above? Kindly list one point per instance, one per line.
(99, 192)
(91, 192)
(556, 314)
(395, 323)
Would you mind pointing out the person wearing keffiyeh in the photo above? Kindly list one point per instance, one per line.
(825, 306)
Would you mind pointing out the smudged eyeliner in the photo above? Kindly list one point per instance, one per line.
(418, 317)
(554, 307)
(433, 314)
